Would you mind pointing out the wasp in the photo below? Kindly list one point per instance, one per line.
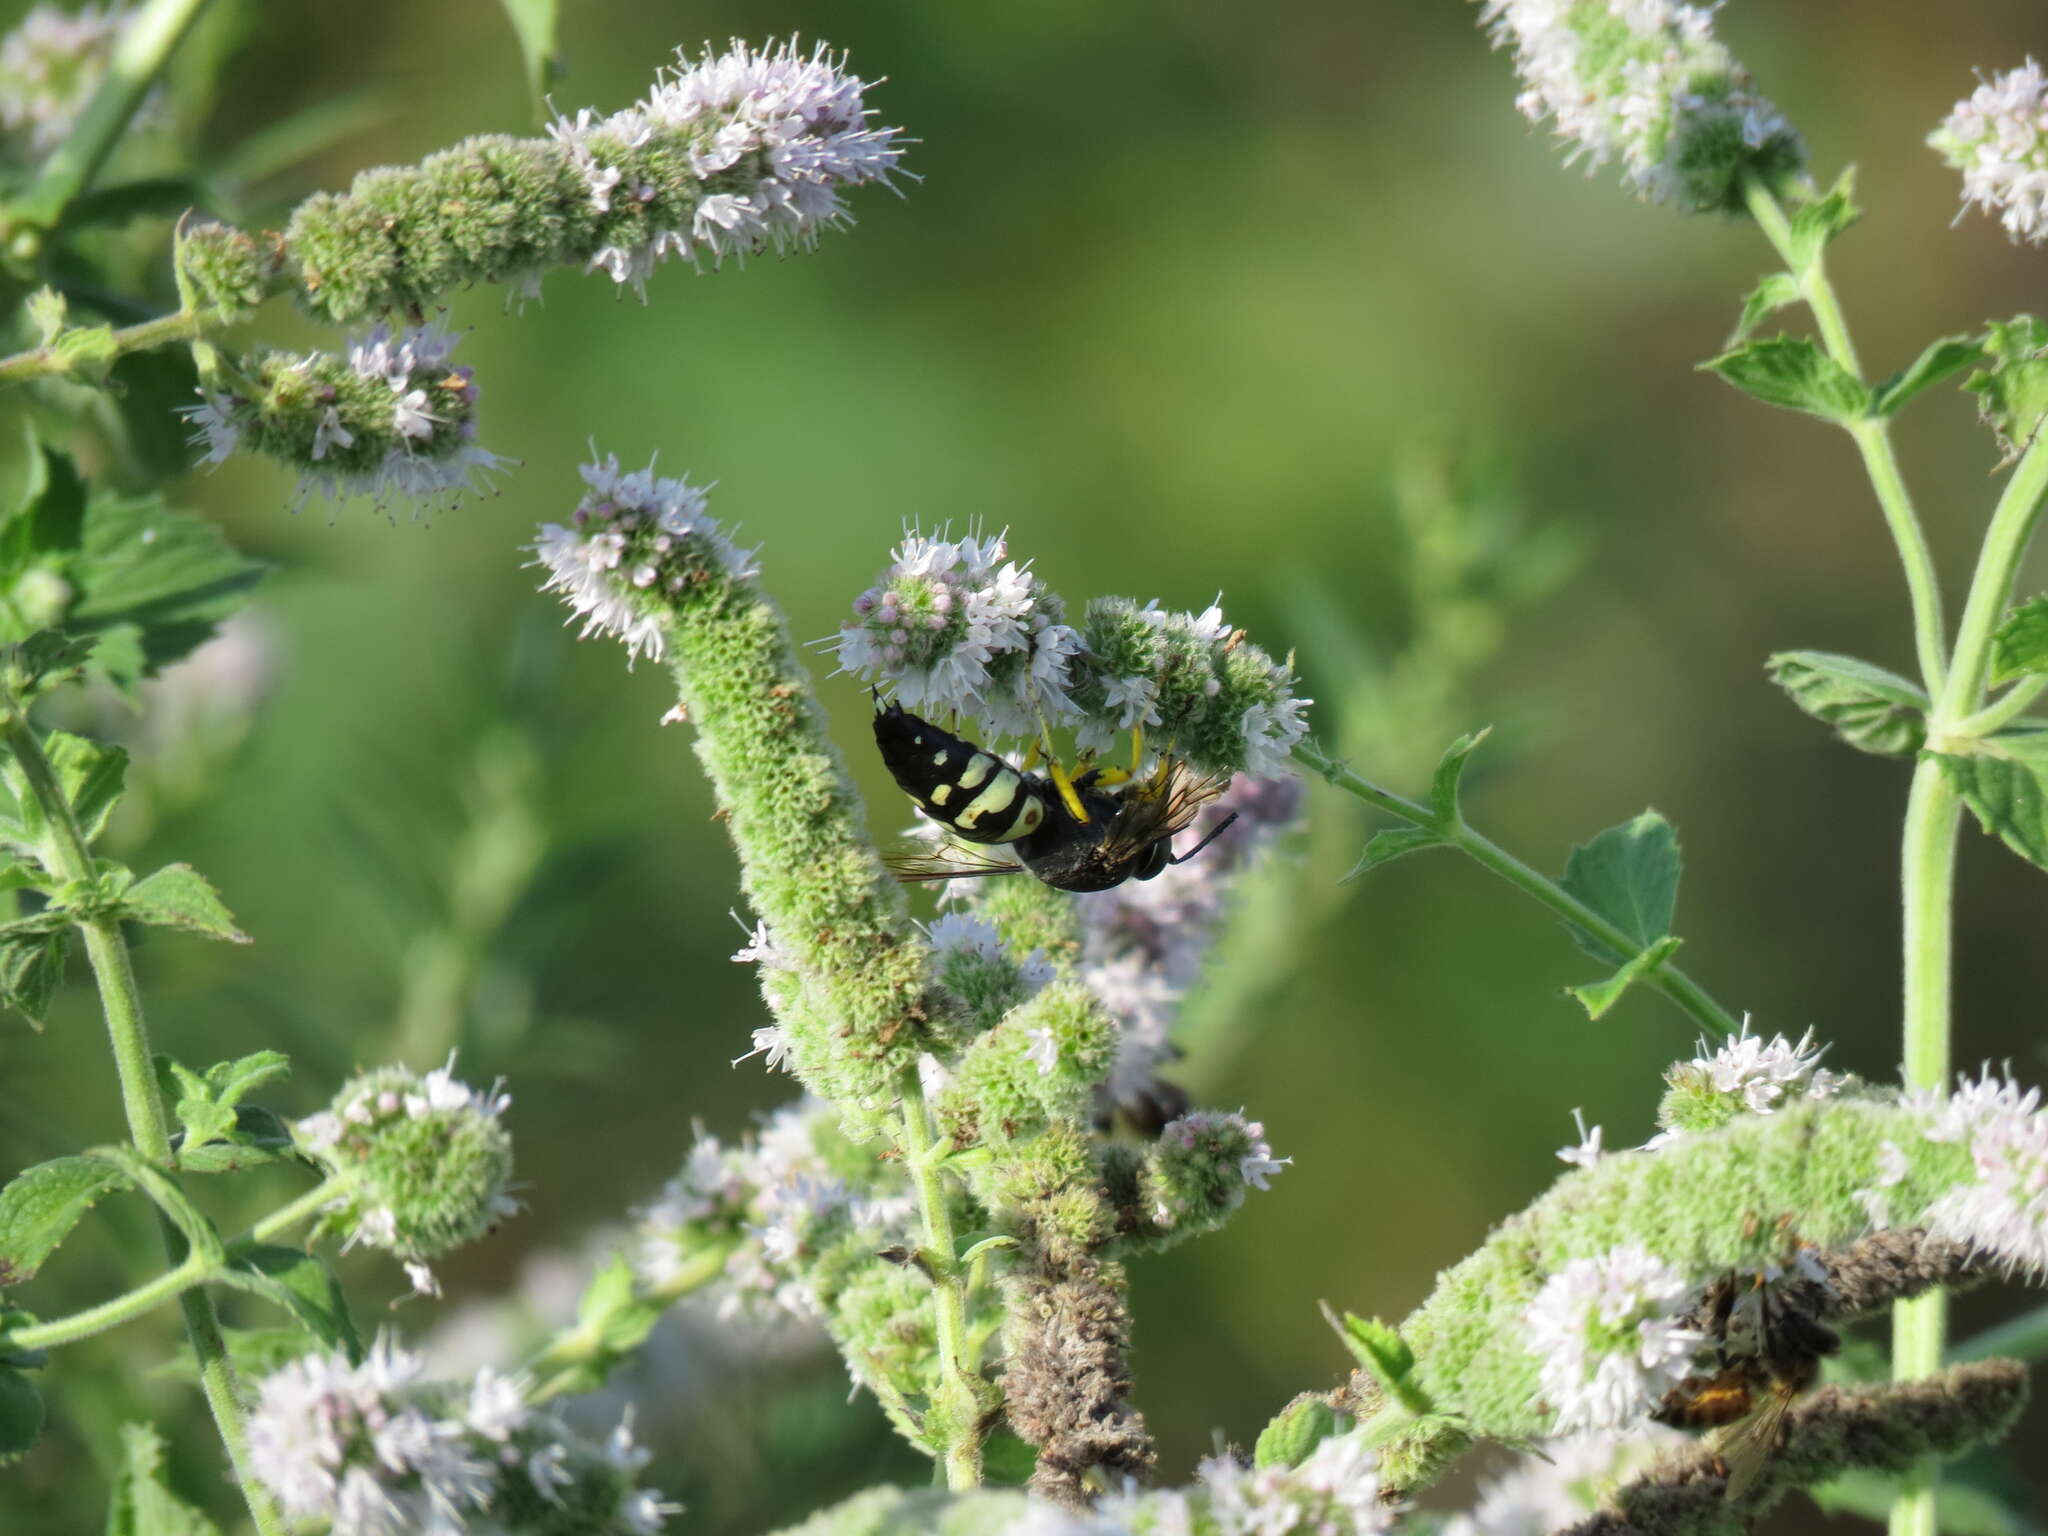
(1770, 1353)
(1075, 834)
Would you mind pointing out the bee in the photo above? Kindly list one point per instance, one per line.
(1075, 835)
(1770, 1354)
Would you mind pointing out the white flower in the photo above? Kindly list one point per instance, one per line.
(219, 435)
(1998, 139)
(2004, 1210)
(50, 64)
(1587, 1152)
(956, 933)
(1607, 1334)
(1334, 1492)
(769, 1042)
(1891, 1169)
(1560, 1484)
(1259, 1164)
(1043, 1051)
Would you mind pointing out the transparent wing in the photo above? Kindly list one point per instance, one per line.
(947, 861)
(1160, 807)
(1747, 1447)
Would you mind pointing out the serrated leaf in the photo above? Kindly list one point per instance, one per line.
(301, 1284)
(1387, 846)
(31, 971)
(1939, 360)
(1629, 875)
(2020, 643)
(143, 1503)
(178, 896)
(44, 660)
(1599, 996)
(2012, 393)
(534, 21)
(21, 1414)
(1817, 222)
(89, 772)
(1384, 1354)
(1772, 293)
(1443, 787)
(1792, 372)
(41, 1205)
(257, 1136)
(171, 574)
(1871, 709)
(2005, 782)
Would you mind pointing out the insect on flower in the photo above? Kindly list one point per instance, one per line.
(1770, 1353)
(1077, 834)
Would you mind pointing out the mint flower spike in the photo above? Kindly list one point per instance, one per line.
(394, 419)
(419, 1164)
(729, 154)
(1645, 83)
(1744, 1075)
(849, 981)
(376, 1449)
(1998, 139)
(50, 64)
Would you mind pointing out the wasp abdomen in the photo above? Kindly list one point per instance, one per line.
(956, 783)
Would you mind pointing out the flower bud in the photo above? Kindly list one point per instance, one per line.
(229, 272)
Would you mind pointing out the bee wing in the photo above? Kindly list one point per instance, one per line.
(1747, 1447)
(1159, 808)
(946, 861)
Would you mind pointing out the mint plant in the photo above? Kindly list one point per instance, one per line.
(986, 1133)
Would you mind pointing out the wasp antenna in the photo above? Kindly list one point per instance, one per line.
(1215, 832)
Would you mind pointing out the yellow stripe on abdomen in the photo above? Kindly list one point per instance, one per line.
(1000, 795)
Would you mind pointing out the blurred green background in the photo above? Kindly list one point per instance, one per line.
(1183, 290)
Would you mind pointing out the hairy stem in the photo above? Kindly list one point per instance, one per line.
(955, 1407)
(145, 47)
(111, 1314)
(1872, 436)
(1994, 716)
(68, 857)
(1668, 979)
(185, 325)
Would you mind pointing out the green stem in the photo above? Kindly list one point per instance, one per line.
(185, 325)
(110, 1314)
(2005, 544)
(1668, 979)
(69, 858)
(291, 1214)
(1995, 716)
(956, 1404)
(1872, 436)
(562, 1362)
(145, 47)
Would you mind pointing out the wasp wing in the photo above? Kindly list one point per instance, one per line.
(1161, 806)
(947, 861)
(1747, 1447)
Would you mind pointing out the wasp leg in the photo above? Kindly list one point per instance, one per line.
(1137, 748)
(1058, 775)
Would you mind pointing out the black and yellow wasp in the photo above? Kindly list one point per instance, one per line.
(1078, 834)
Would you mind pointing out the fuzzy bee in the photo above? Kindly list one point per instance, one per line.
(1770, 1353)
(1075, 835)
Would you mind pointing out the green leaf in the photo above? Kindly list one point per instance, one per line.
(1008, 1460)
(1599, 996)
(2012, 393)
(1816, 223)
(1296, 1430)
(258, 1136)
(300, 1283)
(1871, 709)
(1386, 1356)
(1387, 846)
(534, 21)
(1940, 360)
(143, 1503)
(1629, 875)
(171, 574)
(222, 1134)
(178, 896)
(89, 772)
(45, 309)
(21, 1415)
(1960, 1508)
(1443, 788)
(47, 659)
(1792, 372)
(125, 201)
(2005, 781)
(31, 971)
(23, 468)
(256, 1352)
(1772, 293)
(2019, 646)
(41, 1205)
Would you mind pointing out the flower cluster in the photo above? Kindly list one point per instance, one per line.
(1144, 943)
(418, 1164)
(1998, 139)
(2004, 1211)
(634, 540)
(728, 154)
(769, 1209)
(1560, 1484)
(956, 627)
(374, 1448)
(734, 153)
(1611, 1336)
(393, 418)
(1334, 1491)
(1746, 1075)
(50, 64)
(1645, 83)
(1196, 1173)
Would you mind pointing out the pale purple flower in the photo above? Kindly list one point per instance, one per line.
(1998, 139)
(2003, 1211)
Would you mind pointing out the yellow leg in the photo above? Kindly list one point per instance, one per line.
(1137, 749)
(1065, 786)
